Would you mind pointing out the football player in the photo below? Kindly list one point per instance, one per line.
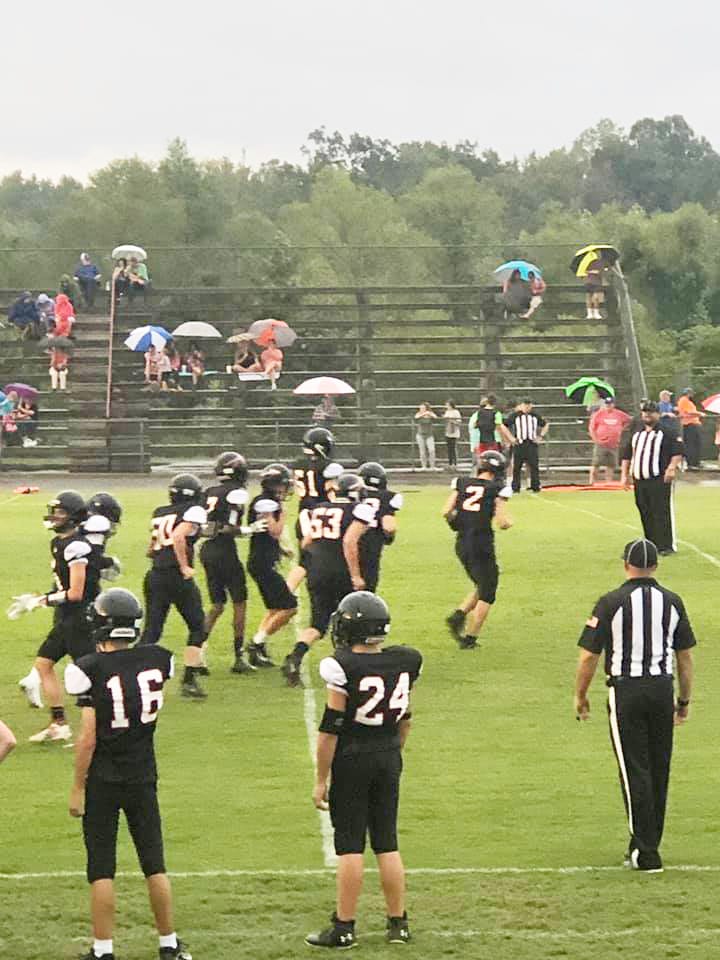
(362, 733)
(225, 504)
(103, 518)
(120, 691)
(475, 504)
(313, 474)
(383, 528)
(76, 586)
(7, 741)
(334, 529)
(170, 581)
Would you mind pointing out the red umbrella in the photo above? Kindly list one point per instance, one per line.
(711, 404)
(264, 332)
(22, 390)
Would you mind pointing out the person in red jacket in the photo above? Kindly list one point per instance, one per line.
(605, 428)
(64, 316)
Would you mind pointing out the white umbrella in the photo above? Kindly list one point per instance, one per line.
(127, 250)
(319, 386)
(197, 329)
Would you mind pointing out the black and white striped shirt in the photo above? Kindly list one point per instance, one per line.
(638, 626)
(650, 451)
(525, 426)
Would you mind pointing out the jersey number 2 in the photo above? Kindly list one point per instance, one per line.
(472, 503)
(150, 683)
(368, 714)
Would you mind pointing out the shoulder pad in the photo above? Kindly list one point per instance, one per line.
(76, 680)
(171, 664)
(455, 483)
(96, 524)
(266, 505)
(364, 512)
(506, 492)
(333, 470)
(333, 674)
(238, 497)
(195, 514)
(77, 550)
(396, 501)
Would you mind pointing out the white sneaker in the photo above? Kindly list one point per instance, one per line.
(56, 731)
(31, 687)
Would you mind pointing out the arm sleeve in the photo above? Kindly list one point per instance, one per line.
(396, 502)
(333, 674)
(77, 682)
(364, 512)
(195, 514)
(238, 497)
(596, 632)
(684, 637)
(333, 470)
(266, 506)
(96, 524)
(77, 552)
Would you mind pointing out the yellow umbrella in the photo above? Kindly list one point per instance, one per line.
(587, 255)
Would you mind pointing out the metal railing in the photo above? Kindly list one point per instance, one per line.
(632, 352)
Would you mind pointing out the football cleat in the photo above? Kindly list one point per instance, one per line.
(241, 665)
(456, 622)
(258, 656)
(31, 687)
(467, 642)
(291, 671)
(56, 731)
(180, 952)
(646, 862)
(398, 929)
(192, 690)
(338, 936)
(93, 956)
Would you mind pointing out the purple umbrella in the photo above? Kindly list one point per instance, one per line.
(23, 390)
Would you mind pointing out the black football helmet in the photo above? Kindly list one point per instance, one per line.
(184, 488)
(374, 475)
(276, 479)
(362, 617)
(232, 466)
(104, 505)
(65, 511)
(116, 615)
(318, 442)
(493, 461)
(349, 486)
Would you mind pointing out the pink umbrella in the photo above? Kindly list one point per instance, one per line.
(320, 386)
(712, 404)
(22, 390)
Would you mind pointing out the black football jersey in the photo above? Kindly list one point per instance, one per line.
(225, 506)
(327, 524)
(310, 476)
(66, 552)
(476, 505)
(126, 689)
(164, 521)
(264, 549)
(386, 504)
(377, 686)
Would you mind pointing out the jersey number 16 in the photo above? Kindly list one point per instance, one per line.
(150, 684)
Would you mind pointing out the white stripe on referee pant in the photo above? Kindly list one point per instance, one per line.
(617, 743)
(672, 515)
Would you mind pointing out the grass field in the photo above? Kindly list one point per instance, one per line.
(501, 784)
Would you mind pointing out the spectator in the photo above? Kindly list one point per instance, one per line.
(24, 315)
(59, 361)
(272, 360)
(120, 278)
(594, 290)
(605, 428)
(665, 405)
(487, 429)
(26, 418)
(195, 361)
(152, 366)
(326, 413)
(453, 420)
(173, 355)
(138, 279)
(70, 289)
(64, 316)
(245, 360)
(46, 313)
(11, 436)
(691, 418)
(87, 277)
(537, 289)
(424, 435)
(516, 293)
(164, 368)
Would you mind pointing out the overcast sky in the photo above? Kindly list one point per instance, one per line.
(83, 84)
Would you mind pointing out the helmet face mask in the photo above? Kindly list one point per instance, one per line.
(373, 475)
(492, 461)
(115, 617)
(185, 488)
(361, 618)
(105, 505)
(349, 486)
(276, 479)
(231, 467)
(318, 443)
(66, 512)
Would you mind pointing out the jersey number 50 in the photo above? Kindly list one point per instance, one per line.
(150, 683)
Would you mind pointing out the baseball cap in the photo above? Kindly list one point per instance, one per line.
(641, 554)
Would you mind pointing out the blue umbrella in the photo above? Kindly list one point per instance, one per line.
(6, 405)
(142, 338)
(503, 272)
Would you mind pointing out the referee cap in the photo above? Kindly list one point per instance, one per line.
(641, 554)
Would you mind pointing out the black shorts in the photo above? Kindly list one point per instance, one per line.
(364, 796)
(103, 803)
(71, 636)
(224, 572)
(325, 597)
(275, 593)
(481, 566)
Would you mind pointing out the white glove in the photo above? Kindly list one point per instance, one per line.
(259, 526)
(23, 604)
(112, 572)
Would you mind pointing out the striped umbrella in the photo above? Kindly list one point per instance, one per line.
(142, 338)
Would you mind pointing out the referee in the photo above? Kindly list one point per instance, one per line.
(527, 429)
(650, 457)
(638, 627)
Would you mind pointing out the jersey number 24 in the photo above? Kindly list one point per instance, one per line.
(371, 713)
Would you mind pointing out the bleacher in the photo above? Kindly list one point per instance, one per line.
(397, 346)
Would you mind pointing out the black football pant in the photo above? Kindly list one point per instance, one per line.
(641, 714)
(364, 797)
(692, 441)
(167, 588)
(526, 453)
(654, 499)
(451, 451)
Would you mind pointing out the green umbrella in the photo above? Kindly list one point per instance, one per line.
(586, 389)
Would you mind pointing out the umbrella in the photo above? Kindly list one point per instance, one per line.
(502, 273)
(197, 330)
(265, 331)
(712, 404)
(580, 390)
(22, 390)
(6, 405)
(587, 255)
(240, 338)
(57, 343)
(144, 337)
(127, 250)
(319, 386)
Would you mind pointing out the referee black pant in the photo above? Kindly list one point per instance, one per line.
(526, 453)
(654, 499)
(641, 714)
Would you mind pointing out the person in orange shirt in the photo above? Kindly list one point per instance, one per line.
(691, 418)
